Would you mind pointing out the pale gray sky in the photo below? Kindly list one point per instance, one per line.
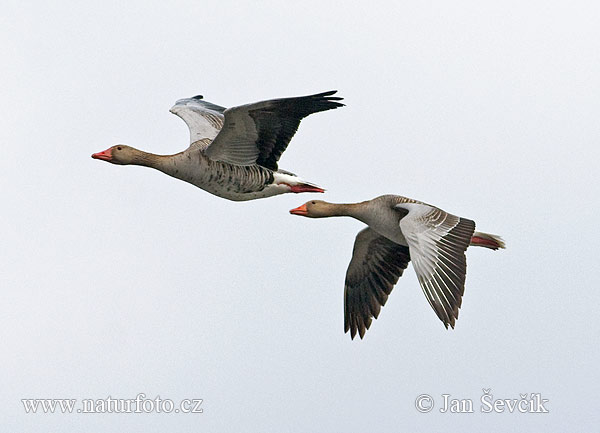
(121, 280)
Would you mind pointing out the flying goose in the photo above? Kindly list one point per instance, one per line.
(399, 230)
(233, 152)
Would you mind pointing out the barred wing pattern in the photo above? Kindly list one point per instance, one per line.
(376, 265)
(437, 242)
(259, 133)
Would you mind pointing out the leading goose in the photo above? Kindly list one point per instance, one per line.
(233, 152)
(401, 229)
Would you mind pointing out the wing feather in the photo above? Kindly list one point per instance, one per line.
(376, 265)
(259, 133)
(437, 241)
(204, 119)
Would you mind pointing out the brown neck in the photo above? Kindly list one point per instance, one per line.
(354, 210)
(159, 162)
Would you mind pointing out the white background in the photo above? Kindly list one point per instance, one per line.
(120, 280)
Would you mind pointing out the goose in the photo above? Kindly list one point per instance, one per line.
(233, 152)
(399, 230)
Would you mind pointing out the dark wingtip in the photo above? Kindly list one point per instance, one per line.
(328, 93)
(349, 326)
(327, 96)
(198, 97)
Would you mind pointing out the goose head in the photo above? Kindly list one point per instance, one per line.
(119, 154)
(315, 209)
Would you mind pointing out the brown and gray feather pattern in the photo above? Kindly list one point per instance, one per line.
(278, 120)
(376, 265)
(445, 287)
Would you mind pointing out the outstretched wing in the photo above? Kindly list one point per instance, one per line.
(259, 133)
(376, 265)
(437, 242)
(203, 118)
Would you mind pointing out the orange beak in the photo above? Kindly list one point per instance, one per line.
(300, 210)
(105, 155)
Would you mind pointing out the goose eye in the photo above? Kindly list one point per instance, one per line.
(119, 148)
(312, 202)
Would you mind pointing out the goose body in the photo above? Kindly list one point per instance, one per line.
(234, 152)
(401, 230)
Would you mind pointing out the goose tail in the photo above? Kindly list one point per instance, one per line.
(487, 240)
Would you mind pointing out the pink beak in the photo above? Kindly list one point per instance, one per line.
(105, 155)
(300, 210)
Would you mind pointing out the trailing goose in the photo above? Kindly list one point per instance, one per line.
(399, 230)
(233, 152)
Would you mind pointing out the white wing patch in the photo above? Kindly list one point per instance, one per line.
(203, 118)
